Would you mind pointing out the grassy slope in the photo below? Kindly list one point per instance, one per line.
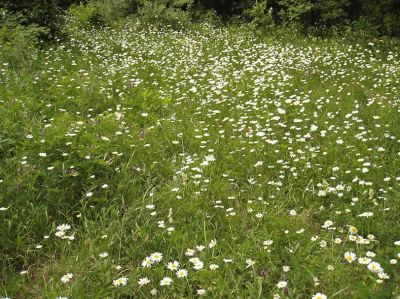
(321, 116)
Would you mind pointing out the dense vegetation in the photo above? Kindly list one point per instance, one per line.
(377, 17)
(176, 149)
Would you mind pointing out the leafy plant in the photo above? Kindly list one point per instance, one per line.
(296, 12)
(17, 42)
(160, 12)
(261, 15)
(332, 12)
(99, 12)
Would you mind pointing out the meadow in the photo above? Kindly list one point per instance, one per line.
(211, 162)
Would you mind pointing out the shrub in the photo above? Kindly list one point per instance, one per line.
(209, 16)
(17, 42)
(332, 12)
(362, 28)
(392, 24)
(160, 12)
(296, 12)
(84, 14)
(260, 15)
(42, 13)
(99, 12)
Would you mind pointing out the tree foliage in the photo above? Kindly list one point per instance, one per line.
(382, 17)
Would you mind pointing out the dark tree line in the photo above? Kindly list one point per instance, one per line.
(383, 16)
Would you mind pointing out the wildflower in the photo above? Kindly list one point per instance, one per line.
(282, 284)
(267, 243)
(319, 296)
(194, 260)
(227, 261)
(181, 273)
(281, 111)
(353, 230)
(173, 266)
(166, 281)
(212, 243)
(364, 260)
(383, 275)
(64, 227)
(213, 267)
(366, 214)
(120, 281)
(316, 281)
(198, 265)
(143, 281)
(350, 256)
(67, 277)
(286, 268)
(259, 163)
(103, 254)
(327, 224)
(200, 248)
(250, 263)
(156, 257)
(147, 262)
(190, 252)
(375, 267)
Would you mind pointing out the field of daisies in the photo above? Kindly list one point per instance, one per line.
(213, 162)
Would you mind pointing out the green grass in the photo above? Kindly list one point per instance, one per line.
(232, 136)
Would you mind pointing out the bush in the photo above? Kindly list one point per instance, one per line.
(392, 24)
(84, 15)
(362, 28)
(18, 42)
(260, 15)
(332, 12)
(296, 12)
(99, 12)
(42, 13)
(174, 13)
(209, 16)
